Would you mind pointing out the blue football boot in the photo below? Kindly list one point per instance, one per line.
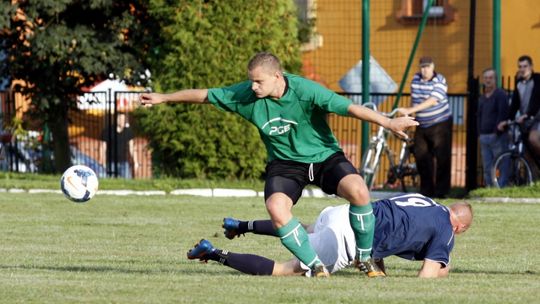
(201, 250)
(231, 227)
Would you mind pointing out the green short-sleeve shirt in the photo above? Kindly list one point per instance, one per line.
(293, 127)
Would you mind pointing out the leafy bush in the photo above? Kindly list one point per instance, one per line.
(208, 44)
(57, 49)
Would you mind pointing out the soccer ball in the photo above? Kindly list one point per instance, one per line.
(79, 183)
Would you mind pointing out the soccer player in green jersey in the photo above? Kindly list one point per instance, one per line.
(289, 112)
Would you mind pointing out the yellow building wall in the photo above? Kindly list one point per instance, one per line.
(339, 22)
(520, 33)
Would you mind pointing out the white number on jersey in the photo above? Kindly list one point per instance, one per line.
(413, 200)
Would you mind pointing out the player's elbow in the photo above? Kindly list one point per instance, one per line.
(443, 272)
(432, 269)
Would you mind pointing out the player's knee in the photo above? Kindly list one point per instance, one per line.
(279, 209)
(353, 188)
(360, 198)
(273, 207)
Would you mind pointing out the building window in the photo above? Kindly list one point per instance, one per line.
(411, 12)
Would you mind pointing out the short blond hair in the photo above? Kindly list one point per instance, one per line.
(265, 59)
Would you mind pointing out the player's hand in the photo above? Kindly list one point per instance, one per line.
(502, 126)
(404, 111)
(400, 124)
(150, 99)
(521, 119)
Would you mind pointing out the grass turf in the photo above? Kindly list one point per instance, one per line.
(48, 181)
(132, 250)
(10, 180)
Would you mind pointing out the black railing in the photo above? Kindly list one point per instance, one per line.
(93, 141)
(348, 132)
(90, 135)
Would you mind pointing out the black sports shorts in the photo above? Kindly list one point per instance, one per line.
(290, 177)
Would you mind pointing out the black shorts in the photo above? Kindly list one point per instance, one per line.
(290, 177)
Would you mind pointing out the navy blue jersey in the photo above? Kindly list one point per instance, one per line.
(413, 227)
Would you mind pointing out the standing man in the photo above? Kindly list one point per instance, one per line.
(492, 110)
(526, 99)
(410, 226)
(289, 112)
(119, 147)
(433, 137)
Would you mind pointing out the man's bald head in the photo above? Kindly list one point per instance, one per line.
(461, 216)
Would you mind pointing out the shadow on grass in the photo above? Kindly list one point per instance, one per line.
(476, 271)
(89, 269)
(410, 272)
(174, 269)
(229, 271)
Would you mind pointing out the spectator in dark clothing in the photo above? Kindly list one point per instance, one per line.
(526, 99)
(492, 109)
(120, 148)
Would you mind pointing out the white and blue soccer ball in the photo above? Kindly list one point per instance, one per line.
(79, 183)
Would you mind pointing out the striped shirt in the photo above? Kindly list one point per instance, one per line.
(435, 87)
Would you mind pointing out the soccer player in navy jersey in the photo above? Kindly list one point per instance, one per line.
(290, 114)
(410, 226)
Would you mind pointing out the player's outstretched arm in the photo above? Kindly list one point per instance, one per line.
(183, 96)
(396, 125)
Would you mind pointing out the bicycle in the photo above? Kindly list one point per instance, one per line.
(19, 155)
(511, 167)
(403, 170)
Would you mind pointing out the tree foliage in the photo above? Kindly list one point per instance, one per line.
(59, 47)
(208, 44)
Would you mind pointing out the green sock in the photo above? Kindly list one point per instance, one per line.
(363, 225)
(295, 238)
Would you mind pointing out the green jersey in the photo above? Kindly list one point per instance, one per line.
(293, 127)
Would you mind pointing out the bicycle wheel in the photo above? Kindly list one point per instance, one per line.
(408, 174)
(511, 169)
(370, 164)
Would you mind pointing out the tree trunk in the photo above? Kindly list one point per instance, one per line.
(59, 129)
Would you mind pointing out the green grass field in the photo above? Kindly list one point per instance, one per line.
(132, 250)
(47, 181)
(9, 180)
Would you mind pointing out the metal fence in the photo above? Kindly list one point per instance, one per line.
(101, 136)
(348, 131)
(9, 158)
(94, 142)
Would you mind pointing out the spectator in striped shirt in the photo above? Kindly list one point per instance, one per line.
(433, 137)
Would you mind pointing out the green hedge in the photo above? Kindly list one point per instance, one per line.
(208, 44)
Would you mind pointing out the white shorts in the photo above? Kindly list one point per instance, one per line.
(333, 238)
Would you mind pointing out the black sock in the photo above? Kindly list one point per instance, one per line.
(263, 227)
(246, 263)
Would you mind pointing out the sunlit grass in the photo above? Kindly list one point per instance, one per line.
(132, 250)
